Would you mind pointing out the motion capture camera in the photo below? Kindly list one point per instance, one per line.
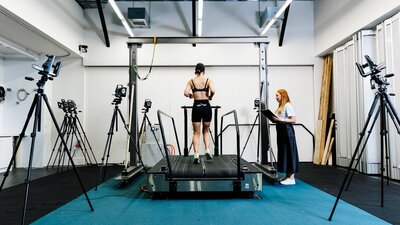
(373, 71)
(120, 91)
(71, 103)
(256, 103)
(49, 68)
(147, 103)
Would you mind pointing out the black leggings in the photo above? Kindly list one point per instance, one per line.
(201, 111)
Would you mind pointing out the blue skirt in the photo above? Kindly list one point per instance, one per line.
(288, 157)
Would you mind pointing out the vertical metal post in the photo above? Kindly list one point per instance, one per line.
(216, 144)
(185, 116)
(264, 124)
(133, 102)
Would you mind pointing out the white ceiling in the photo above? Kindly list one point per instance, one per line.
(18, 39)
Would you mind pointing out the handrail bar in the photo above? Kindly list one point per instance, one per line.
(159, 113)
(237, 140)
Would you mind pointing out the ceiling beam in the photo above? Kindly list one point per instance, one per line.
(194, 18)
(283, 28)
(103, 23)
(198, 40)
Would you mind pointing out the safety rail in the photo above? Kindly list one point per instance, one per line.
(272, 124)
(159, 113)
(237, 139)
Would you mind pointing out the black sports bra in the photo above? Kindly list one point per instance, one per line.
(200, 89)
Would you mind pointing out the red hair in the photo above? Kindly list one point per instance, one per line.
(284, 99)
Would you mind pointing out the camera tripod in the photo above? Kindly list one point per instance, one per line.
(114, 124)
(70, 127)
(385, 107)
(272, 156)
(37, 108)
(142, 130)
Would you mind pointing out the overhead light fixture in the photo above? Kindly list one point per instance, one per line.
(200, 18)
(269, 23)
(121, 17)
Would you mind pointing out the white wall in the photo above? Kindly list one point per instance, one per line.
(165, 89)
(15, 111)
(70, 84)
(2, 84)
(100, 83)
(60, 20)
(223, 62)
(336, 21)
(92, 86)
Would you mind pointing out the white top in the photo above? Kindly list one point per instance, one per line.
(287, 111)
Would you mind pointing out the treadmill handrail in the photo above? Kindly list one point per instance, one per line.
(273, 124)
(159, 113)
(237, 139)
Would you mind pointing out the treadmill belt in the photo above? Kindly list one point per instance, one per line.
(218, 167)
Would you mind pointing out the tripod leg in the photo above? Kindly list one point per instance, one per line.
(383, 139)
(248, 137)
(21, 135)
(71, 142)
(387, 157)
(130, 136)
(59, 150)
(155, 137)
(66, 150)
(78, 138)
(86, 139)
(29, 174)
(392, 109)
(396, 122)
(371, 111)
(55, 145)
(82, 144)
(107, 148)
(363, 148)
(142, 129)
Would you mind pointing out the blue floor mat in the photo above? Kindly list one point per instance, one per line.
(277, 204)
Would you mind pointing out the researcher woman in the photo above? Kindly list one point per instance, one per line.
(288, 159)
(201, 89)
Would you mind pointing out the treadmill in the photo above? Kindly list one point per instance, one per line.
(223, 173)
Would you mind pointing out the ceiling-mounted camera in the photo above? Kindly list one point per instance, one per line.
(83, 48)
(120, 91)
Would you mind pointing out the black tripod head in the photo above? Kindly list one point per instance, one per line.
(72, 106)
(374, 70)
(49, 70)
(116, 101)
(63, 105)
